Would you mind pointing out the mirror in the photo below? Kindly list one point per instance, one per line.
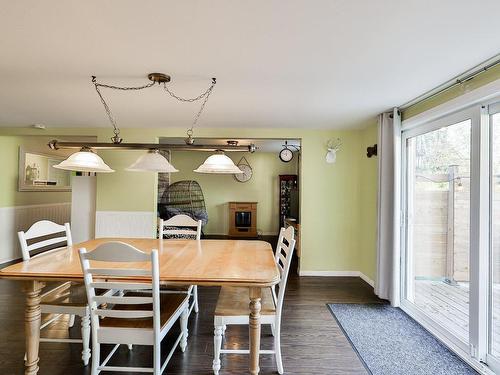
(36, 172)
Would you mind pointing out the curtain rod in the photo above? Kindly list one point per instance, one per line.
(458, 80)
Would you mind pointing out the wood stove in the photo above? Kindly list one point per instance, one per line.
(243, 219)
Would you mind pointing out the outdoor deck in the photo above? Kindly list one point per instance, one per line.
(449, 305)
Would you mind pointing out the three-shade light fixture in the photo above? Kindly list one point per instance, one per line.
(86, 160)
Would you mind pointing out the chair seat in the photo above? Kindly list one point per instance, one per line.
(169, 305)
(234, 301)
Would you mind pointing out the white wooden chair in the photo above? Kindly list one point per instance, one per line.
(64, 299)
(141, 316)
(232, 305)
(179, 226)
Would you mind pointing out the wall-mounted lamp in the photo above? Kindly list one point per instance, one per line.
(332, 146)
(371, 151)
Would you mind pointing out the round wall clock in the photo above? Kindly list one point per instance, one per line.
(286, 154)
(246, 169)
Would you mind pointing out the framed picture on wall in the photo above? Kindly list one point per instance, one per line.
(37, 172)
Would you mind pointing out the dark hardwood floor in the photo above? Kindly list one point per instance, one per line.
(312, 343)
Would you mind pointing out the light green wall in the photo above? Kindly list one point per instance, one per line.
(122, 190)
(9, 162)
(331, 194)
(220, 189)
(489, 76)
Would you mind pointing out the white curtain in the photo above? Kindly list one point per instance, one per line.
(387, 283)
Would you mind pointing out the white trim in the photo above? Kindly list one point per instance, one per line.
(338, 274)
(227, 235)
(132, 224)
(367, 280)
(329, 273)
(474, 97)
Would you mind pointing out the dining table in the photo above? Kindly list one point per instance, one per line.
(244, 263)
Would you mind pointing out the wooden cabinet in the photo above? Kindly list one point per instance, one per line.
(288, 197)
(243, 219)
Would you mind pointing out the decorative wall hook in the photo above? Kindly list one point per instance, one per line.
(371, 151)
(333, 145)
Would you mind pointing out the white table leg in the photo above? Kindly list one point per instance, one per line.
(254, 328)
(32, 322)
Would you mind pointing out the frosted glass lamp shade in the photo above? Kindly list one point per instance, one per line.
(153, 161)
(84, 161)
(219, 164)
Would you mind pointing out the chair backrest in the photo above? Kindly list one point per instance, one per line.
(109, 277)
(283, 257)
(43, 228)
(179, 225)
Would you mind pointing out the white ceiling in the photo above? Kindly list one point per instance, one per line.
(315, 64)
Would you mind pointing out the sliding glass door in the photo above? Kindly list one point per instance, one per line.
(451, 230)
(437, 161)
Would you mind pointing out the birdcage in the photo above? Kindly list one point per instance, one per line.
(183, 197)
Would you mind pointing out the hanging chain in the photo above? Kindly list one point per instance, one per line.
(116, 130)
(206, 95)
(190, 100)
(116, 138)
(202, 107)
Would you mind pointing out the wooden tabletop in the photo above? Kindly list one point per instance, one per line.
(204, 262)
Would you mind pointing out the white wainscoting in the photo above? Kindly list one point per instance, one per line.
(14, 219)
(140, 224)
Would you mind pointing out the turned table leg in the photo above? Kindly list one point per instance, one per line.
(32, 321)
(254, 328)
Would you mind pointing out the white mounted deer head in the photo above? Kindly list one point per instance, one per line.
(333, 145)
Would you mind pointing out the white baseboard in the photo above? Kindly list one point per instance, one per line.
(338, 274)
(367, 280)
(132, 224)
(14, 219)
(225, 234)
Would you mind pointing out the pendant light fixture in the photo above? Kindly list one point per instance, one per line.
(152, 161)
(218, 163)
(84, 160)
(87, 161)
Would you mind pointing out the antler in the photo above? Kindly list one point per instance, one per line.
(334, 144)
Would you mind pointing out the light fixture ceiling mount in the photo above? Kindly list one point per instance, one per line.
(159, 77)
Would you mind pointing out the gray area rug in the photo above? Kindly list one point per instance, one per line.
(389, 342)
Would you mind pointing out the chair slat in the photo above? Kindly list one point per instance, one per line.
(124, 313)
(180, 231)
(44, 243)
(282, 258)
(123, 300)
(284, 247)
(119, 271)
